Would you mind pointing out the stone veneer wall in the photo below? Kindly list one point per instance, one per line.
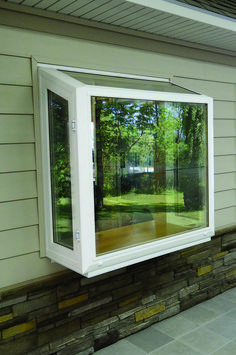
(74, 315)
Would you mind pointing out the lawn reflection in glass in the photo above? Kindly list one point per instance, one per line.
(150, 170)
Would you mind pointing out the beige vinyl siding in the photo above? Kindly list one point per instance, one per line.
(225, 145)
(225, 216)
(19, 192)
(17, 157)
(225, 181)
(225, 199)
(225, 128)
(19, 73)
(19, 229)
(16, 99)
(224, 110)
(25, 267)
(225, 153)
(16, 129)
(219, 90)
(62, 50)
(17, 214)
(22, 186)
(18, 241)
(225, 164)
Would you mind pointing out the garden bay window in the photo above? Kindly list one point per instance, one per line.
(127, 169)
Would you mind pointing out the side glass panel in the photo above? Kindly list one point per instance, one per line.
(150, 170)
(60, 170)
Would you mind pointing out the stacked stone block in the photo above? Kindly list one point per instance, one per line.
(70, 314)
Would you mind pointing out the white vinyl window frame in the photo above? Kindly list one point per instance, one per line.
(82, 258)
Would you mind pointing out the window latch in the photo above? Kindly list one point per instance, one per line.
(73, 125)
(77, 236)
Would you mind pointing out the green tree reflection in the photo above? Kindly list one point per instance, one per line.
(149, 138)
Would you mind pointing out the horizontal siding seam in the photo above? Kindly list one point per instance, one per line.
(225, 155)
(17, 114)
(225, 208)
(20, 199)
(225, 173)
(220, 191)
(223, 100)
(19, 255)
(224, 137)
(19, 143)
(224, 119)
(21, 227)
(16, 56)
(204, 80)
(18, 171)
(220, 101)
(16, 85)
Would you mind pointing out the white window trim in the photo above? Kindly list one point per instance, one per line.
(82, 258)
(102, 72)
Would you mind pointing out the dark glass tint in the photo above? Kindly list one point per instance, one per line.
(60, 170)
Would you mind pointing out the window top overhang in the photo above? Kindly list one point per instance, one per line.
(128, 83)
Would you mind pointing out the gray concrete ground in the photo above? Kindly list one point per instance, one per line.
(208, 328)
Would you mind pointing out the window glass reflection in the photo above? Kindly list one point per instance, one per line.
(150, 170)
(60, 170)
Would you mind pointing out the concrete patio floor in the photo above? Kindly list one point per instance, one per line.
(207, 328)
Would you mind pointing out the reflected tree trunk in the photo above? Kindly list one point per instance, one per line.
(156, 156)
(159, 164)
(195, 133)
(156, 164)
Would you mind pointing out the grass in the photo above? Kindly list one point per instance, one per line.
(131, 209)
(64, 222)
(131, 202)
(135, 208)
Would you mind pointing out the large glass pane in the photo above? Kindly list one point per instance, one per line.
(60, 170)
(150, 170)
